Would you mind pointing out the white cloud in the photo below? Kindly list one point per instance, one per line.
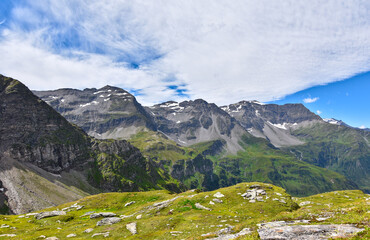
(310, 100)
(318, 112)
(362, 127)
(222, 51)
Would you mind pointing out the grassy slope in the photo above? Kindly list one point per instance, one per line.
(259, 162)
(338, 148)
(343, 207)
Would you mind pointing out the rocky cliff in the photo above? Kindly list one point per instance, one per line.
(40, 150)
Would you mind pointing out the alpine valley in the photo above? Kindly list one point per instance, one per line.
(258, 162)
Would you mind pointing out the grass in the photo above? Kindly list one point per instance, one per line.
(182, 215)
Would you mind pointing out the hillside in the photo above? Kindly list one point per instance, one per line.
(299, 134)
(45, 160)
(206, 166)
(247, 210)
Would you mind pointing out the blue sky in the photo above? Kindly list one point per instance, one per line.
(222, 51)
(347, 100)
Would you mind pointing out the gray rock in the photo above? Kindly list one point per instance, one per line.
(129, 203)
(161, 205)
(106, 234)
(8, 235)
(304, 203)
(102, 214)
(89, 230)
(132, 228)
(217, 200)
(139, 216)
(108, 221)
(308, 232)
(200, 206)
(49, 214)
(71, 235)
(52, 238)
(218, 195)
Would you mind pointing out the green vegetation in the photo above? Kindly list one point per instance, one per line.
(338, 148)
(181, 219)
(259, 161)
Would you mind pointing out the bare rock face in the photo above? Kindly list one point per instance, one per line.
(304, 232)
(108, 112)
(32, 131)
(34, 135)
(191, 122)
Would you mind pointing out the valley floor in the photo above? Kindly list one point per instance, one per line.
(243, 211)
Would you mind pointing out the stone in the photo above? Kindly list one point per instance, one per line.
(132, 228)
(102, 214)
(71, 235)
(42, 236)
(303, 232)
(52, 238)
(161, 205)
(106, 234)
(218, 195)
(261, 191)
(304, 203)
(89, 230)
(108, 221)
(129, 203)
(139, 216)
(212, 203)
(200, 206)
(217, 200)
(49, 214)
(8, 235)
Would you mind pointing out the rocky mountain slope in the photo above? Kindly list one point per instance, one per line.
(45, 160)
(191, 122)
(244, 211)
(299, 133)
(108, 112)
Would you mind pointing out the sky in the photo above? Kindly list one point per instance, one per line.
(221, 51)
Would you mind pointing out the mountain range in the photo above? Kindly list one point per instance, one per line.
(61, 145)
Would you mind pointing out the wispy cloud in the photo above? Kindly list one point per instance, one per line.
(362, 127)
(318, 112)
(310, 100)
(218, 50)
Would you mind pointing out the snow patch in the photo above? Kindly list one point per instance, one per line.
(281, 126)
(107, 99)
(331, 121)
(102, 91)
(121, 94)
(257, 113)
(88, 104)
(62, 100)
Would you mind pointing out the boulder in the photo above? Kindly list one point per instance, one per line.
(129, 203)
(218, 195)
(49, 214)
(102, 214)
(308, 231)
(132, 228)
(108, 221)
(106, 234)
(200, 206)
